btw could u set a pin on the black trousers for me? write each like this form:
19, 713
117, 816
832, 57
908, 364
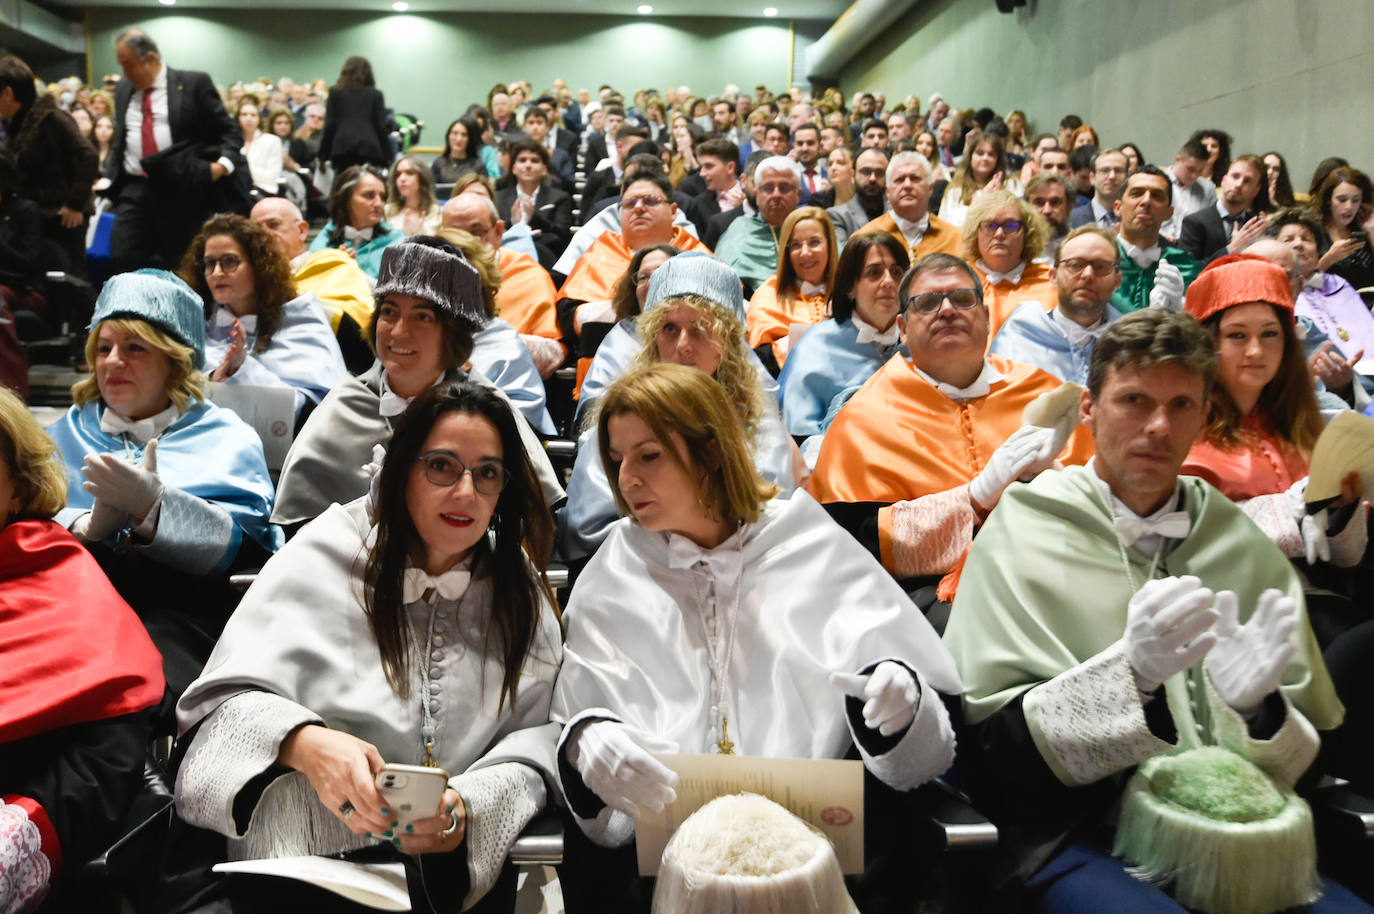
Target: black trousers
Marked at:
152, 227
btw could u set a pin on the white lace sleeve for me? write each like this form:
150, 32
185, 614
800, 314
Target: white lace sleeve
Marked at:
192, 534
924, 752
1088, 722
1348, 546
24, 869
1272, 515
1285, 755
500, 801
238, 741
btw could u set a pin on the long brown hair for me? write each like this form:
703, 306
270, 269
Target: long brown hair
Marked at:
789, 284
514, 554
625, 295
963, 175
272, 285
1288, 403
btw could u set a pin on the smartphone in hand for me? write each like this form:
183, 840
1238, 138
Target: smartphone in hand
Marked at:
411, 791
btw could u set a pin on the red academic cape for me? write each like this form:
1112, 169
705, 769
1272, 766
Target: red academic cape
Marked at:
941, 237
594, 275
770, 320
73, 651
1261, 464
899, 438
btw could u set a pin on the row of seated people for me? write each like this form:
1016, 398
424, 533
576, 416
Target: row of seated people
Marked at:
166, 504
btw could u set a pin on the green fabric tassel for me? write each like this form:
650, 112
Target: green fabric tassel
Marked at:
1219, 833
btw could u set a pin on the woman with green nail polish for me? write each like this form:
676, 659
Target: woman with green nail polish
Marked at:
411, 627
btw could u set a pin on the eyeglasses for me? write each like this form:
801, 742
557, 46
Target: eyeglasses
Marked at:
443, 469
1076, 265
227, 263
930, 302
646, 202
1011, 227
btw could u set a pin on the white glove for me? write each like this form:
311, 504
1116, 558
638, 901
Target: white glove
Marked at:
1168, 287
890, 695
1311, 526
100, 523
615, 762
1018, 456
1168, 624
1248, 659
123, 486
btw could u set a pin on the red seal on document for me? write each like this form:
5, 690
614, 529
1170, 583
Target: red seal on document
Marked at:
836, 816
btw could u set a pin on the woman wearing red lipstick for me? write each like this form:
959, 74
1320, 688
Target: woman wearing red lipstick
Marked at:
411, 626
719, 619
1264, 416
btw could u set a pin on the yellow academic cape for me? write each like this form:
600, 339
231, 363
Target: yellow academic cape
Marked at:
525, 299
769, 320
594, 275
899, 438
336, 279
941, 237
1004, 298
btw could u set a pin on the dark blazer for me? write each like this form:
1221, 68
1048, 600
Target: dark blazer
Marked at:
716, 226
600, 184
565, 140
561, 168
552, 218
56, 165
195, 113
1204, 235
596, 150
701, 209
355, 128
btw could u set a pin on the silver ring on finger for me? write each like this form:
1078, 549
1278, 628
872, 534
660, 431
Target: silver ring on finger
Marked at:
346, 809
452, 826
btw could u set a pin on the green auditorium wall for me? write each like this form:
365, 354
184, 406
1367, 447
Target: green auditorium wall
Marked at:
432, 65
1287, 74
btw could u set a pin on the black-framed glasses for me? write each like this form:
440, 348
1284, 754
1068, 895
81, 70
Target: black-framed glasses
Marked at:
1010, 226
444, 469
227, 263
930, 302
1076, 266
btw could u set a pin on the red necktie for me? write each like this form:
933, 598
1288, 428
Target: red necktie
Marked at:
149, 141
810, 183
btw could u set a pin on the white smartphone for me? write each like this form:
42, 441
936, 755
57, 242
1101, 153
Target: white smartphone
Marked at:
411, 791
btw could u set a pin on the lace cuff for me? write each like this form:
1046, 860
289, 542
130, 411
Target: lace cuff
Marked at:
25, 871
1284, 756
500, 801
926, 535
1348, 546
238, 741
547, 354
1089, 721
1272, 514
192, 534
603, 824
925, 750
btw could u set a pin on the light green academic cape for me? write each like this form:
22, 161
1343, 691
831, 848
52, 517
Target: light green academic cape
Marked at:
750, 247
1045, 589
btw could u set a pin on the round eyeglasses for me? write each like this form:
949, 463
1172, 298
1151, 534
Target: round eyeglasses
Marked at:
443, 469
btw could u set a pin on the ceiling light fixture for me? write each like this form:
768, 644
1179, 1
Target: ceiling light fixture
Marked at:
770, 10
400, 6
168, 2
645, 9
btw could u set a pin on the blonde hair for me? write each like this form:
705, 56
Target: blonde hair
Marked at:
676, 399
789, 285
184, 383
736, 374
1036, 232
32, 461
483, 260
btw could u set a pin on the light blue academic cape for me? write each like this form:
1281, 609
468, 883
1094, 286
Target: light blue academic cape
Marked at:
369, 256
1033, 336
208, 452
586, 519
504, 361
827, 359
303, 354
613, 358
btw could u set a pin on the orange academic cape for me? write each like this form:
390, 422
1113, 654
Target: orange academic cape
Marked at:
770, 320
594, 275
525, 299
940, 238
1004, 298
899, 438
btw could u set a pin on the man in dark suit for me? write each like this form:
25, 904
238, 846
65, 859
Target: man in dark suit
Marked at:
536, 127
719, 160
1109, 174
605, 181
546, 210
716, 225
597, 144
174, 158
1237, 218
557, 137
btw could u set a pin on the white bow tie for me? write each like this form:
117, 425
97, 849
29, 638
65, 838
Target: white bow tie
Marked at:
1012, 276
142, 430
725, 562
392, 404
1174, 525
357, 234
225, 318
451, 585
1145, 257
870, 334
810, 289
1317, 282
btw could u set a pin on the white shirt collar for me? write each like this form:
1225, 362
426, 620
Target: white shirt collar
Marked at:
1315, 282
1143, 530
980, 387
912, 231
392, 403
871, 334
1102, 215
1013, 275
1142, 257
1078, 334
299, 260
142, 430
